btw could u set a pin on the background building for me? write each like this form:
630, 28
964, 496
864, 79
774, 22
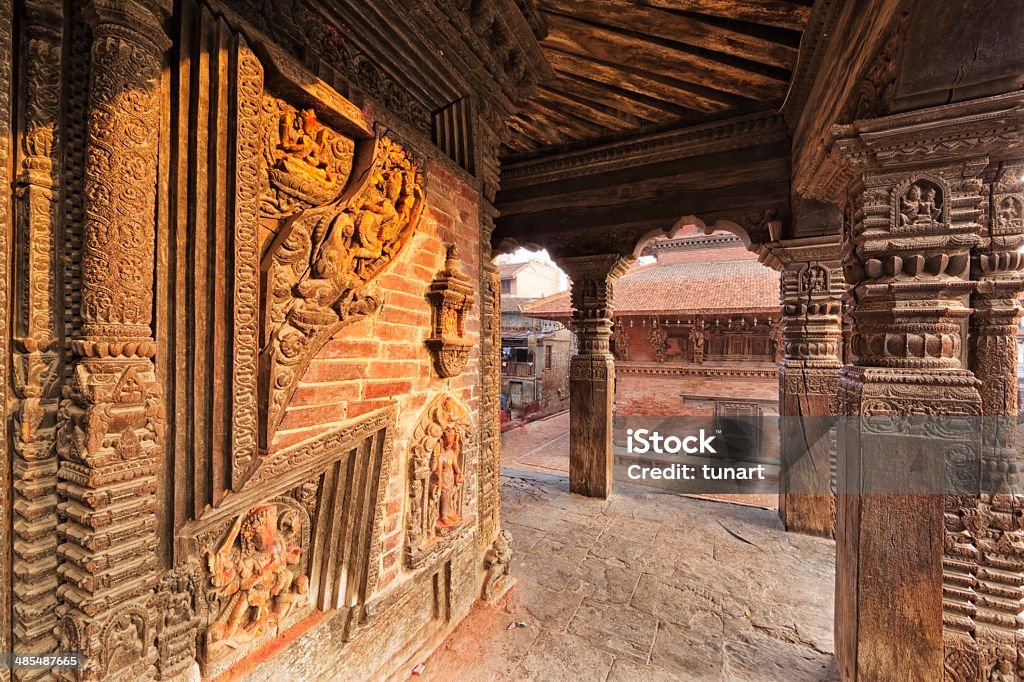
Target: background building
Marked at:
696, 332
534, 352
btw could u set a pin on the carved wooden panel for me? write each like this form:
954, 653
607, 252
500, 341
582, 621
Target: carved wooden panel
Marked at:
308, 536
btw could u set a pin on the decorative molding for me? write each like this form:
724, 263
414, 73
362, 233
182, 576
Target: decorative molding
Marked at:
639, 368
714, 241
646, 149
986, 127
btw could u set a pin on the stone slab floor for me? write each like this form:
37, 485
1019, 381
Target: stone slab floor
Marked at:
647, 586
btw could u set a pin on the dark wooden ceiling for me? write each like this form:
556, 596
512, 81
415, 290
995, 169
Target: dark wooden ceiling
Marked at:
621, 65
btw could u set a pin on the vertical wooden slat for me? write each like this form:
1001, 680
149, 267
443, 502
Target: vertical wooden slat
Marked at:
217, 212
200, 304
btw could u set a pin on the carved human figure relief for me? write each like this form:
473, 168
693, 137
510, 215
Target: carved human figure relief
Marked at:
436, 477
256, 574
920, 204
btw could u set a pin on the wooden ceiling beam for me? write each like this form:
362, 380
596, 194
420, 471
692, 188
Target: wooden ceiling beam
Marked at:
690, 31
573, 35
567, 126
597, 113
636, 104
543, 136
777, 13
653, 85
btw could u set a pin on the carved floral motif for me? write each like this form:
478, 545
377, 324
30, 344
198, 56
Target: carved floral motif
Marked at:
436, 475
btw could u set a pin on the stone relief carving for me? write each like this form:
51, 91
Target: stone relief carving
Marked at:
498, 564
451, 297
257, 575
324, 257
436, 474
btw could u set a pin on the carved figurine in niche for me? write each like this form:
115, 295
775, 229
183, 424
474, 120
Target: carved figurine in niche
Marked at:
254, 573
436, 479
451, 297
1009, 214
814, 280
446, 478
920, 204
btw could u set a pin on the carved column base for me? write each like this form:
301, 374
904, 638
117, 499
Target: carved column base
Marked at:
591, 396
889, 543
806, 481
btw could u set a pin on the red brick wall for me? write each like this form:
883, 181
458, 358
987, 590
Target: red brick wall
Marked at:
655, 396
383, 361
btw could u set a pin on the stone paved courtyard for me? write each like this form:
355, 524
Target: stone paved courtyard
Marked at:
647, 586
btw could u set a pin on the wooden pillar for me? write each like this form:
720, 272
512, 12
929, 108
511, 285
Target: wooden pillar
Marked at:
38, 329
811, 291
915, 210
111, 421
984, 581
592, 372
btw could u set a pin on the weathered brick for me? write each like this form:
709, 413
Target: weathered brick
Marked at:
386, 389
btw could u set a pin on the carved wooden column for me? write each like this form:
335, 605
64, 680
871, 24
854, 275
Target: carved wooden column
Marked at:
983, 563
811, 290
916, 210
112, 419
6, 82
592, 372
38, 330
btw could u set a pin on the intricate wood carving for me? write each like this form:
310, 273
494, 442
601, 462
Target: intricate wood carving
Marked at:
38, 330
807, 345
658, 338
257, 572
6, 62
451, 297
112, 418
323, 258
437, 465
592, 371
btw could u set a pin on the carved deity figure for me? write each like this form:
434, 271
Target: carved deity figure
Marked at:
918, 206
446, 473
306, 147
658, 338
253, 571
497, 562
1008, 213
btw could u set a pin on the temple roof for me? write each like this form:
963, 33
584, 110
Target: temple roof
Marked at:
682, 288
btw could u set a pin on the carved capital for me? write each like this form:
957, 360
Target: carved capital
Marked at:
139, 21
592, 281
